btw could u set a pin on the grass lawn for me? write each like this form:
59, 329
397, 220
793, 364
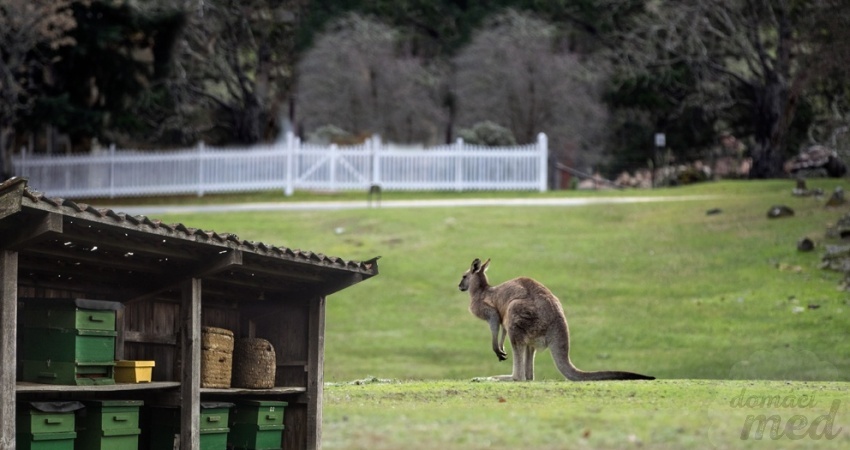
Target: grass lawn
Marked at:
669, 414
709, 304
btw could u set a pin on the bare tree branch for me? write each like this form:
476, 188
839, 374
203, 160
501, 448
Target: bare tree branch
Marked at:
513, 74
359, 76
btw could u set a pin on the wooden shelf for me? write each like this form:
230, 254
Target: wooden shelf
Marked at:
27, 387
23, 386
241, 391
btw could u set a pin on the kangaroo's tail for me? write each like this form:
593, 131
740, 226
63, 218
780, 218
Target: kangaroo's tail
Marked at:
559, 340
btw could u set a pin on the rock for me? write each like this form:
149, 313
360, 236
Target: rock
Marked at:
778, 211
841, 230
802, 191
837, 198
837, 258
805, 245
801, 188
817, 159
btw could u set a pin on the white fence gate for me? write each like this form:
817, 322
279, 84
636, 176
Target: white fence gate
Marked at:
289, 165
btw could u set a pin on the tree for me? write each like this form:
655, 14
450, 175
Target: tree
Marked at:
28, 28
233, 69
96, 86
518, 73
762, 55
360, 76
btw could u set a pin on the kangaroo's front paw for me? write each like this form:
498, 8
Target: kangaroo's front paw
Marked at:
500, 354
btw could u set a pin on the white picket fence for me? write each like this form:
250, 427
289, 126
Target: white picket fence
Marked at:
288, 165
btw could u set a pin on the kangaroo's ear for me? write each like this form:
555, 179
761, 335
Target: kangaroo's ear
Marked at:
476, 263
485, 265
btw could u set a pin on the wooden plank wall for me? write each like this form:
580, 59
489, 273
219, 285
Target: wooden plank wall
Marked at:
287, 329
152, 328
8, 323
150, 334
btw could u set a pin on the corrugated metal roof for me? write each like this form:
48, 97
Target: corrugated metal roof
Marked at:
159, 248
179, 230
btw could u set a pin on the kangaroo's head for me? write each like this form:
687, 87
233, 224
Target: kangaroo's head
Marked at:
475, 276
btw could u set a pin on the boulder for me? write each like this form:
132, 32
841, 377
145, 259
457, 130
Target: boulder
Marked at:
817, 160
805, 245
837, 198
779, 211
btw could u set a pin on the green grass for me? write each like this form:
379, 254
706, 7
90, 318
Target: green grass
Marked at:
655, 288
670, 414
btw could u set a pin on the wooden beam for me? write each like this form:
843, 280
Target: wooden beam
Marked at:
315, 372
11, 198
341, 282
8, 336
121, 243
284, 268
190, 378
207, 269
37, 230
70, 275
119, 337
224, 262
149, 338
95, 258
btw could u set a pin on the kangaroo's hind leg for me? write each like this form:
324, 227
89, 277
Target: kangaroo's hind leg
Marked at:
519, 365
520, 358
529, 363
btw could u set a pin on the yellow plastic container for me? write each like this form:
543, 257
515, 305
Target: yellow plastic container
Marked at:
134, 371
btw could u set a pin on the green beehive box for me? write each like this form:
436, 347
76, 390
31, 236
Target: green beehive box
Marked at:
258, 412
165, 426
69, 314
108, 425
69, 373
45, 425
46, 417
46, 441
79, 346
245, 436
256, 425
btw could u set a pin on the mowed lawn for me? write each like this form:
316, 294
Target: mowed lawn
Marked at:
707, 303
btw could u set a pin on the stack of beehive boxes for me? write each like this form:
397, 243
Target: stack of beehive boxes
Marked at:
68, 341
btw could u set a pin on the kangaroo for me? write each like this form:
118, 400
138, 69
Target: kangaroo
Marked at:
532, 316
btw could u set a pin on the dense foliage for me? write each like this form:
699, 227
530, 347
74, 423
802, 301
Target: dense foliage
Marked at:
601, 77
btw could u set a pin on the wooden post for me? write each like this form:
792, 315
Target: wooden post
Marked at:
459, 165
289, 189
8, 335
119, 337
190, 376
315, 375
333, 156
201, 169
543, 161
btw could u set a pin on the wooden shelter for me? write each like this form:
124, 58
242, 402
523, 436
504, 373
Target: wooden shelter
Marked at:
171, 281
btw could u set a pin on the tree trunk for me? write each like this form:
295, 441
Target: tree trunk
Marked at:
248, 121
5, 152
770, 124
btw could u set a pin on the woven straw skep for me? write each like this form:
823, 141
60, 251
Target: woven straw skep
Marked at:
253, 364
216, 357
218, 339
216, 369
